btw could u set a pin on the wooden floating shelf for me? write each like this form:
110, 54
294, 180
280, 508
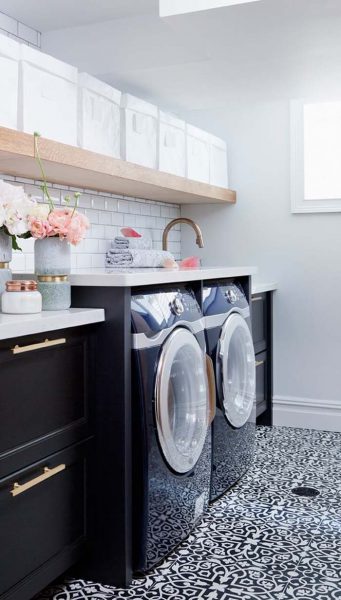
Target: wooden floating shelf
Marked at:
76, 167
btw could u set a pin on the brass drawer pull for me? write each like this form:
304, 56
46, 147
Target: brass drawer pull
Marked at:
20, 488
257, 298
46, 344
259, 363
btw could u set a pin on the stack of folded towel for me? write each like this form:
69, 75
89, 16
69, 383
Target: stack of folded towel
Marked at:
135, 252
132, 243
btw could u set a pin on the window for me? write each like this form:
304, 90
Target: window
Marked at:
315, 156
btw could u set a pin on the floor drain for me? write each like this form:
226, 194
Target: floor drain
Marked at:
307, 492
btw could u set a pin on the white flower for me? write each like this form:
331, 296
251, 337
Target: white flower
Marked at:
12, 194
39, 211
2, 215
15, 207
15, 222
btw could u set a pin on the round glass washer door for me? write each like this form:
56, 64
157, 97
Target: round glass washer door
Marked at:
182, 400
237, 370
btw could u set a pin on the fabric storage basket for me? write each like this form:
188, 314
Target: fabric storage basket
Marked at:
172, 144
198, 154
9, 69
218, 162
98, 116
47, 96
138, 131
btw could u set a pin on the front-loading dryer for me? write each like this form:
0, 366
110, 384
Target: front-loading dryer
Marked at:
230, 346
173, 404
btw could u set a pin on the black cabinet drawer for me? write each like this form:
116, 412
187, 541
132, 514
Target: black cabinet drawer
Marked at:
259, 322
43, 522
44, 396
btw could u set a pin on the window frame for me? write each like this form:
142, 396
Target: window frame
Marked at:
298, 203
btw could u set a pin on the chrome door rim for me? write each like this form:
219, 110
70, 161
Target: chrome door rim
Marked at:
175, 459
234, 321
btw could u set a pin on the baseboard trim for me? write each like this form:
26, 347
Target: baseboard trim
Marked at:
307, 412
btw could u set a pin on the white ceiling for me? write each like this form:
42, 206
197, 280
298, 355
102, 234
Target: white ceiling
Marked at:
201, 61
45, 15
180, 7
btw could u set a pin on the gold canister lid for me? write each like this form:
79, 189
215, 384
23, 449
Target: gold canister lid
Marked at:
4, 265
21, 285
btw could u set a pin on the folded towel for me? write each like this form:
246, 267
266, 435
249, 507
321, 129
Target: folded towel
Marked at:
136, 258
143, 243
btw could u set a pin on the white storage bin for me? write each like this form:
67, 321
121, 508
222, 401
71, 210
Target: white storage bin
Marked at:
98, 116
9, 69
218, 162
172, 144
198, 154
47, 96
139, 131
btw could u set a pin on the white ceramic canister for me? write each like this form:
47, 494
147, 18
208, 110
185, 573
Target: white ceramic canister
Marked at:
21, 297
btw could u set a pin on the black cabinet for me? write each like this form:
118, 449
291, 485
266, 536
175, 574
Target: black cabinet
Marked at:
262, 339
45, 436
42, 519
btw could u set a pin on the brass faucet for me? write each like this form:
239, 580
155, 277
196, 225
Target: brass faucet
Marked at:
199, 240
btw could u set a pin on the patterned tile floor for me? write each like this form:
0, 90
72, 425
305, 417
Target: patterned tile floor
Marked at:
258, 542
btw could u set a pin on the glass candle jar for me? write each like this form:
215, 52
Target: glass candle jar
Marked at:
21, 297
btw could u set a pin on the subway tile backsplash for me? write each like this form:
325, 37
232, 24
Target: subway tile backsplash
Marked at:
107, 213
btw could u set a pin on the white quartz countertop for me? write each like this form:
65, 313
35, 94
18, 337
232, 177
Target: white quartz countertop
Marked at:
259, 287
17, 325
139, 277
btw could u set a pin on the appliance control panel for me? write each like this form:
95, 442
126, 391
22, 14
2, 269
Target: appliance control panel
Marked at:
221, 297
158, 309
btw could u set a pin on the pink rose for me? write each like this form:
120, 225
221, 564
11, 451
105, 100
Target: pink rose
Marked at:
39, 229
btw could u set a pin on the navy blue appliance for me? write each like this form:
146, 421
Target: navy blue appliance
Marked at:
173, 406
230, 346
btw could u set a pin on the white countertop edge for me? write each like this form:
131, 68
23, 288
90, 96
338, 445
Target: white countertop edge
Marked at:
140, 277
260, 287
19, 325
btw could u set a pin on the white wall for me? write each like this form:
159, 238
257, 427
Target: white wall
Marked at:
301, 252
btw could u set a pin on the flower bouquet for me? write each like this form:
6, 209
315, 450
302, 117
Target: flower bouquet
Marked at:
54, 229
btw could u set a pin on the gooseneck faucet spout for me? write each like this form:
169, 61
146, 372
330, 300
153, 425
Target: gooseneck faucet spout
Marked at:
199, 239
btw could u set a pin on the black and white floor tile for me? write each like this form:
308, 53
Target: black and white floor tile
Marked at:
259, 541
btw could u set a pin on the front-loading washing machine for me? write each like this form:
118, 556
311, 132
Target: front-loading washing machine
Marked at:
230, 346
173, 404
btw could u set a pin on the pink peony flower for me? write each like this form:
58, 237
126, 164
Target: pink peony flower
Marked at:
59, 220
39, 229
77, 228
